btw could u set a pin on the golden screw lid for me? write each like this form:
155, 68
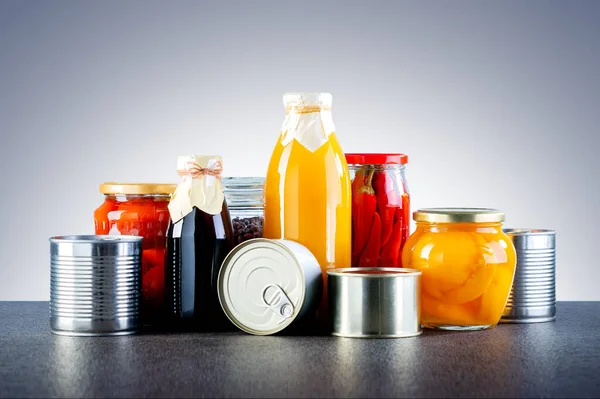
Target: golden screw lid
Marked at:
458, 215
137, 188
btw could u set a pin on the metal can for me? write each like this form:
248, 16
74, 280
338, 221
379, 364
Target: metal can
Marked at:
95, 285
533, 294
375, 302
266, 285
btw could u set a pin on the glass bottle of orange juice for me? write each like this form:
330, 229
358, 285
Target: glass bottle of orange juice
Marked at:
307, 188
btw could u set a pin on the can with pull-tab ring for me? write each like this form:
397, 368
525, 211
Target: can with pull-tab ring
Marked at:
266, 285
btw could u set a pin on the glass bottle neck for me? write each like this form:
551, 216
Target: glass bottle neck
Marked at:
307, 109
305, 103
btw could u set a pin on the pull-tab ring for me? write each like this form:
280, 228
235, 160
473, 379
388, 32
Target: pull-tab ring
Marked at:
276, 299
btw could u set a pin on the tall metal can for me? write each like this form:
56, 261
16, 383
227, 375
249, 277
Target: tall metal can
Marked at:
95, 285
533, 295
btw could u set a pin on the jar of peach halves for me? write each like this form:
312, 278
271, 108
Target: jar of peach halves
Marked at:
467, 266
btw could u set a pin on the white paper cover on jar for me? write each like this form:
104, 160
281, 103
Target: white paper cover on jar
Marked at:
311, 129
200, 186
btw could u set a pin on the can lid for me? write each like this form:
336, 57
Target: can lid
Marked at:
137, 188
261, 286
376, 159
374, 272
98, 239
244, 183
458, 215
528, 232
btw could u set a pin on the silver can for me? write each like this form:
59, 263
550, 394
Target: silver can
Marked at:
374, 302
266, 285
533, 294
95, 285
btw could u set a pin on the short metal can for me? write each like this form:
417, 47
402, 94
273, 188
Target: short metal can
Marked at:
374, 302
266, 285
95, 285
533, 294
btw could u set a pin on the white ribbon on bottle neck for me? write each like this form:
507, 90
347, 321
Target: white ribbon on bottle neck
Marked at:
200, 187
310, 127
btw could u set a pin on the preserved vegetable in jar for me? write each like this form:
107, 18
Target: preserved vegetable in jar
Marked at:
245, 201
199, 237
380, 209
140, 210
467, 264
307, 188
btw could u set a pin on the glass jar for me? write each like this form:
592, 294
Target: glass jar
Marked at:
199, 237
140, 210
307, 187
380, 209
245, 200
467, 264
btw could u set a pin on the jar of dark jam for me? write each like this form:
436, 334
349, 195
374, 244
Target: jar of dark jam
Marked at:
140, 209
245, 200
199, 237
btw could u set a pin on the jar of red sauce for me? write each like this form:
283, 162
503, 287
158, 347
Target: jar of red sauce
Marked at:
380, 209
140, 210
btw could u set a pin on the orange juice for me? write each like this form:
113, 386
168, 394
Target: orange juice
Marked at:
307, 188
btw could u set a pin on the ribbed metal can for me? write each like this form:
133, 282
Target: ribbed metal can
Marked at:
95, 285
533, 295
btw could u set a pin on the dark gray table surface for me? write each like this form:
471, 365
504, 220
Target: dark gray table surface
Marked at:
558, 359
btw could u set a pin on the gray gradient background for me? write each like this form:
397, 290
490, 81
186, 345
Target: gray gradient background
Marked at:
496, 103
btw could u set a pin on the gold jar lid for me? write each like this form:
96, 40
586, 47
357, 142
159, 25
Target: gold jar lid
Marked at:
458, 215
138, 188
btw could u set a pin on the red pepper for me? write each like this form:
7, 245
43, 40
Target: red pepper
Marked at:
406, 218
370, 256
390, 252
101, 221
359, 180
153, 287
385, 211
387, 201
363, 208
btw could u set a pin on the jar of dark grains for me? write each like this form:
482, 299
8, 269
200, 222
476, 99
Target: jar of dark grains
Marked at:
245, 200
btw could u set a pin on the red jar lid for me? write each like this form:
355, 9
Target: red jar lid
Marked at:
376, 159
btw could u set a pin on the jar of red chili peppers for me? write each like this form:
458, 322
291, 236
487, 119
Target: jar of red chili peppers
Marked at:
140, 210
380, 209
